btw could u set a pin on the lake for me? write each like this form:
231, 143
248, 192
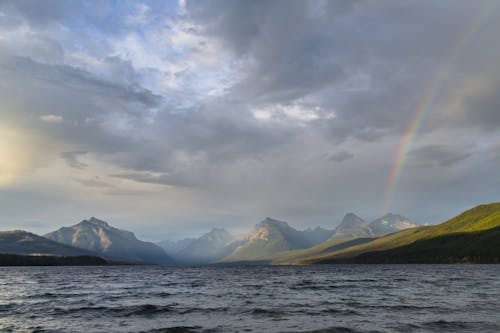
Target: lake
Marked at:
327, 298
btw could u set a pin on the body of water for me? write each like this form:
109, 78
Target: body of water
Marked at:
328, 298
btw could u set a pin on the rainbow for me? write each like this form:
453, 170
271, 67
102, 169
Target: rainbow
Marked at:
426, 100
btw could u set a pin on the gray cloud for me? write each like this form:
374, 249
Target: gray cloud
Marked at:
483, 109
75, 79
38, 14
95, 182
438, 156
71, 158
355, 58
150, 178
340, 156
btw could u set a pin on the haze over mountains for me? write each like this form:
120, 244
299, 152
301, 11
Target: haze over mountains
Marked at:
472, 236
210, 247
271, 237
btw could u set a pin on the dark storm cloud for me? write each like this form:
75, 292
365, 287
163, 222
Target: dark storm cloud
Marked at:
366, 61
438, 156
290, 54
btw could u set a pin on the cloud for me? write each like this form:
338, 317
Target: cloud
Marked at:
437, 155
94, 182
157, 178
481, 107
38, 14
51, 118
71, 158
340, 156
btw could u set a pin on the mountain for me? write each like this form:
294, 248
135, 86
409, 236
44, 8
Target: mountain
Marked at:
352, 230
98, 236
25, 243
173, 247
352, 226
210, 247
390, 223
268, 238
473, 236
317, 235
464, 247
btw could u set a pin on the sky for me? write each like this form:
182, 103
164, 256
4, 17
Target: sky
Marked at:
170, 118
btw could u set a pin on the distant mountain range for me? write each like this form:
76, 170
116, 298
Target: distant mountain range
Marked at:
99, 237
272, 238
219, 245
96, 238
473, 236
268, 238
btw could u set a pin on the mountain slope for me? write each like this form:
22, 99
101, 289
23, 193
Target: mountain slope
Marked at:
462, 247
352, 226
210, 247
478, 219
317, 235
268, 238
98, 236
390, 223
25, 243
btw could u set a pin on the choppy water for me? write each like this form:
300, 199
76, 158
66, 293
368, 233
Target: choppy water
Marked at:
372, 298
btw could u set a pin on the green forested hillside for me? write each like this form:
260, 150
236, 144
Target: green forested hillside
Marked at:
463, 247
475, 231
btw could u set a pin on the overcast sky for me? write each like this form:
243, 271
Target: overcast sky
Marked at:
170, 118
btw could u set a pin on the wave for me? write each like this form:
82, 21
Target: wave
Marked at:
267, 312
337, 329
124, 311
450, 326
145, 310
183, 329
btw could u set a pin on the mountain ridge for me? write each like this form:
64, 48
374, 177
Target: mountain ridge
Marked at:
100, 237
267, 238
21, 242
482, 219
207, 248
